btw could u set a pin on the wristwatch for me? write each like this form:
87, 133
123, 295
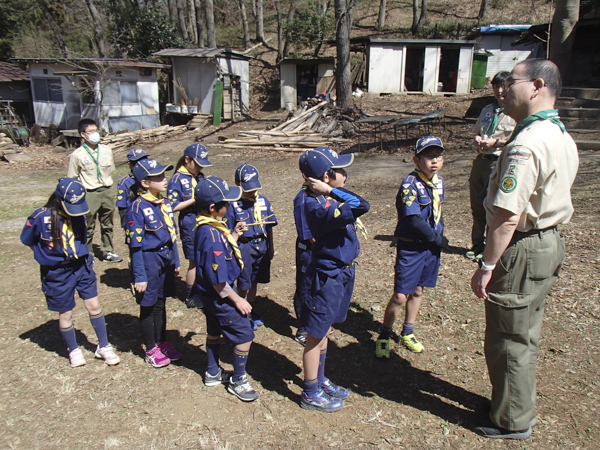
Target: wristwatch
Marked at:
484, 266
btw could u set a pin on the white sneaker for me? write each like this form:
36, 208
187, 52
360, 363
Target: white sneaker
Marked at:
108, 355
76, 358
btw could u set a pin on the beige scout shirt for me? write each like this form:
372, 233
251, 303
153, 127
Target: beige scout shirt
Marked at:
533, 177
83, 167
504, 129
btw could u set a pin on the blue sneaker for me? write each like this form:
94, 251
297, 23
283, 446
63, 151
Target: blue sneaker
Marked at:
255, 318
333, 390
252, 324
321, 402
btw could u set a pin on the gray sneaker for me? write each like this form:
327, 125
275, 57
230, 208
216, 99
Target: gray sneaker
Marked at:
242, 389
214, 380
112, 257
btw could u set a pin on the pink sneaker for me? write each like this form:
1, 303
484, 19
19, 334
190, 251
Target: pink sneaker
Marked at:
167, 349
156, 358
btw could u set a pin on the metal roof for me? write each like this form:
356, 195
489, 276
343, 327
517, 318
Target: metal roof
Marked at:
200, 53
422, 41
12, 72
91, 62
504, 29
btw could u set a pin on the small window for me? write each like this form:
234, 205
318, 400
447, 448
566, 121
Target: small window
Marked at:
47, 90
129, 93
120, 93
87, 93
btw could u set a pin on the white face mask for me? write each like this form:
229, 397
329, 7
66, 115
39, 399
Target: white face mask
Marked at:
93, 138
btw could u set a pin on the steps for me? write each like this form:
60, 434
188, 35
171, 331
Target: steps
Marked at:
579, 110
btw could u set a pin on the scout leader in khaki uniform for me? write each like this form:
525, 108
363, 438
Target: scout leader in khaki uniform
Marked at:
93, 165
528, 196
493, 129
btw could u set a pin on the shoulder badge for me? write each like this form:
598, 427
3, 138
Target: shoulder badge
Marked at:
508, 184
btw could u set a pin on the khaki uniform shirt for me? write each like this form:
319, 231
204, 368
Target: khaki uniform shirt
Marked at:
533, 177
504, 129
83, 167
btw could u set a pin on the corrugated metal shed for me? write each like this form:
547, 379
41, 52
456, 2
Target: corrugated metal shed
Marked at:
12, 72
201, 53
106, 62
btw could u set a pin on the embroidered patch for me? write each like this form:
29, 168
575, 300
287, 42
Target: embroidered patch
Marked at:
215, 266
120, 191
405, 185
508, 184
119, 197
405, 191
336, 213
47, 219
327, 204
139, 239
28, 223
408, 203
217, 252
131, 223
511, 169
147, 211
138, 230
517, 153
412, 198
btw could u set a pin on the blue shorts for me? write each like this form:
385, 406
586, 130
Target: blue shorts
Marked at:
303, 255
325, 300
417, 264
160, 271
257, 265
222, 318
187, 224
60, 282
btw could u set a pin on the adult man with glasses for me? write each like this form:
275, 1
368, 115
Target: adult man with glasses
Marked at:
493, 129
529, 195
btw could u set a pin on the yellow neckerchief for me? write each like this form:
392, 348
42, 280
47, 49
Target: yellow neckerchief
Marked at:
204, 220
67, 236
184, 171
257, 212
163, 209
361, 227
437, 210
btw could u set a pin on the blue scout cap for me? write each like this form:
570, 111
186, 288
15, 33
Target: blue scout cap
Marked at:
314, 163
71, 194
426, 142
148, 168
135, 154
213, 189
198, 153
247, 176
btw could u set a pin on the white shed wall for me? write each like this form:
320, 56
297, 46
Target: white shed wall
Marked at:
385, 67
505, 56
242, 69
287, 74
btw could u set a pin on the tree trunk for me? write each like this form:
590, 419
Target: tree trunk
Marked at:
242, 5
344, 13
210, 24
416, 16
482, 10
562, 35
254, 8
181, 17
381, 20
98, 33
199, 22
54, 27
422, 19
279, 31
260, 32
172, 12
192, 21
288, 33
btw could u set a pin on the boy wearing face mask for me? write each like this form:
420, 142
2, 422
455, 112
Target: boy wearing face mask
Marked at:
92, 164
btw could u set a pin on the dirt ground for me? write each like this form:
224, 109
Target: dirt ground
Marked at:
410, 401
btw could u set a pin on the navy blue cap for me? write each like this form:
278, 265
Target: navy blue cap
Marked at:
426, 142
211, 189
247, 176
198, 153
148, 168
71, 194
135, 154
314, 163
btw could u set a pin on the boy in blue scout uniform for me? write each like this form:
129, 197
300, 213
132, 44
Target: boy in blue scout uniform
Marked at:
420, 240
57, 234
181, 194
154, 257
218, 265
256, 244
123, 201
304, 243
332, 216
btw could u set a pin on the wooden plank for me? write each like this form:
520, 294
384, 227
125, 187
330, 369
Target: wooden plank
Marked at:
218, 111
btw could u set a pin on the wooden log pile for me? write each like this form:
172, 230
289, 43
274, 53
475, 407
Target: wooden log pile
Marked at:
315, 124
7, 145
121, 140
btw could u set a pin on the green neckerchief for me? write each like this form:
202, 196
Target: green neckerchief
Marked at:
548, 114
96, 159
493, 123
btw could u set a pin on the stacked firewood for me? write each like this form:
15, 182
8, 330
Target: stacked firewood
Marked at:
7, 145
315, 124
121, 140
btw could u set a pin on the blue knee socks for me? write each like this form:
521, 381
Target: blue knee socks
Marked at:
99, 324
407, 328
240, 359
68, 335
212, 355
385, 332
310, 387
321, 372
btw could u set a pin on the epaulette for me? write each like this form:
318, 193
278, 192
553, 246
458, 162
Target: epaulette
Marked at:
216, 238
136, 203
37, 212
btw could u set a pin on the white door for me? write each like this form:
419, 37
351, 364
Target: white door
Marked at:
465, 64
431, 70
288, 84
